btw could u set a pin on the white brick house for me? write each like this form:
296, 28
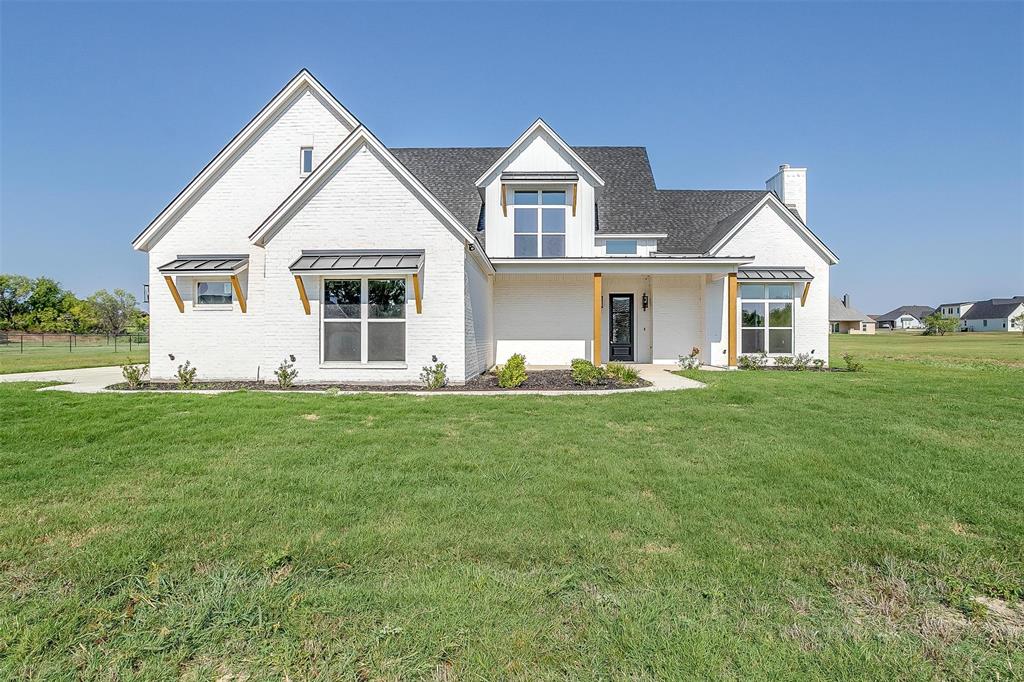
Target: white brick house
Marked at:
306, 237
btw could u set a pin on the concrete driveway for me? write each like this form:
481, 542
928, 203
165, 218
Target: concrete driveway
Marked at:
85, 380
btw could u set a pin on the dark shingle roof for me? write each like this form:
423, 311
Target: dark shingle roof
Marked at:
696, 219
993, 308
918, 311
629, 203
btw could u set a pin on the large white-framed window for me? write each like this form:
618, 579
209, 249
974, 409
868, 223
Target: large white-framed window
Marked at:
538, 217
363, 320
766, 318
213, 294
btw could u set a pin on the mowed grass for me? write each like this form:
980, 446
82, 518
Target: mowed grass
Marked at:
39, 359
775, 525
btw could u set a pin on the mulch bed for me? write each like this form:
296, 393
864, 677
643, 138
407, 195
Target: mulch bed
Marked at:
543, 380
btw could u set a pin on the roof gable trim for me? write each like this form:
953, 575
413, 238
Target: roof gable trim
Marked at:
541, 126
788, 216
301, 82
322, 174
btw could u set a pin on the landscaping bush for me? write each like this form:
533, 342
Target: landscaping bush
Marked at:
513, 373
784, 361
852, 365
802, 361
623, 373
186, 376
133, 374
434, 377
286, 373
758, 361
691, 361
585, 373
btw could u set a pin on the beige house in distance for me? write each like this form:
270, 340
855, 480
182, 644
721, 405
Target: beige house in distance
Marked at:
845, 319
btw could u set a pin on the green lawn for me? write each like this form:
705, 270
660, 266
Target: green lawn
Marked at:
38, 359
775, 525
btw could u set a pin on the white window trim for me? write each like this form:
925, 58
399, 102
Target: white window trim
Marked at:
196, 305
539, 208
765, 328
312, 162
364, 326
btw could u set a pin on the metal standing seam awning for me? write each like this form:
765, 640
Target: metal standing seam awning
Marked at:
359, 262
541, 178
205, 265
750, 275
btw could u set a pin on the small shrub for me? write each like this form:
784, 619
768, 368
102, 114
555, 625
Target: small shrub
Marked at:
625, 374
286, 374
758, 361
513, 372
691, 361
784, 361
585, 373
852, 364
133, 374
186, 376
818, 363
434, 377
802, 361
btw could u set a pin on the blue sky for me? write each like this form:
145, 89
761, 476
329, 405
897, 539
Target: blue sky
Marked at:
908, 116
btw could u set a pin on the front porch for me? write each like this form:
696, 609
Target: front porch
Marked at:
611, 315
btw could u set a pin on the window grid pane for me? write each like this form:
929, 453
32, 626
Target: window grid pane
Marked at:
553, 246
553, 220
554, 198
620, 247
341, 299
525, 220
524, 198
385, 341
386, 298
526, 245
214, 293
342, 341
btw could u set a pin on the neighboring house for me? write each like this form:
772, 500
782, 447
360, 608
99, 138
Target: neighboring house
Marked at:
306, 237
904, 317
994, 315
955, 309
843, 318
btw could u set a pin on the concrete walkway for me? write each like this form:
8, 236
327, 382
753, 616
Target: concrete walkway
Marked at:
96, 379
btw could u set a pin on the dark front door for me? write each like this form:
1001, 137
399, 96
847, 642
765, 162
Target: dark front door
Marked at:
620, 327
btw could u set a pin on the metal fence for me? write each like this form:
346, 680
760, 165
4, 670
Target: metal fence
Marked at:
24, 342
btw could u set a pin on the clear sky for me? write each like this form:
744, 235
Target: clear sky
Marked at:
908, 116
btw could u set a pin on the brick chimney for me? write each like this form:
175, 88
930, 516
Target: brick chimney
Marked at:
790, 185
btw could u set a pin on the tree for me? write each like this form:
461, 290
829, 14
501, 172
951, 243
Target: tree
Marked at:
14, 292
937, 323
1018, 322
113, 310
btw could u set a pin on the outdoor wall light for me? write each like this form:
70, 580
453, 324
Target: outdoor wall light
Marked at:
644, 301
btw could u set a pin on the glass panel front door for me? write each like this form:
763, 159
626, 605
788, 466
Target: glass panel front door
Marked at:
620, 327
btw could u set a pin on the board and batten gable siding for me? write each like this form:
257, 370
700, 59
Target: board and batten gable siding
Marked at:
225, 344
479, 319
363, 205
772, 241
539, 154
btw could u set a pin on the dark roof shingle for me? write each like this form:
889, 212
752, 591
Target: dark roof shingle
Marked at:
629, 203
994, 308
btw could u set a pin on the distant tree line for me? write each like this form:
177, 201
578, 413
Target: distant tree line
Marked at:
42, 305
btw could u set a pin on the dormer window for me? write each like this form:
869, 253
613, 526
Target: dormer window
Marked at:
539, 223
305, 160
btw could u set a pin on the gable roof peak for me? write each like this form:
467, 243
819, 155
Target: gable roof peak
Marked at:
539, 125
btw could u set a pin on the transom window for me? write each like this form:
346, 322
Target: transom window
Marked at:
217, 292
364, 320
539, 223
766, 313
620, 247
306, 160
